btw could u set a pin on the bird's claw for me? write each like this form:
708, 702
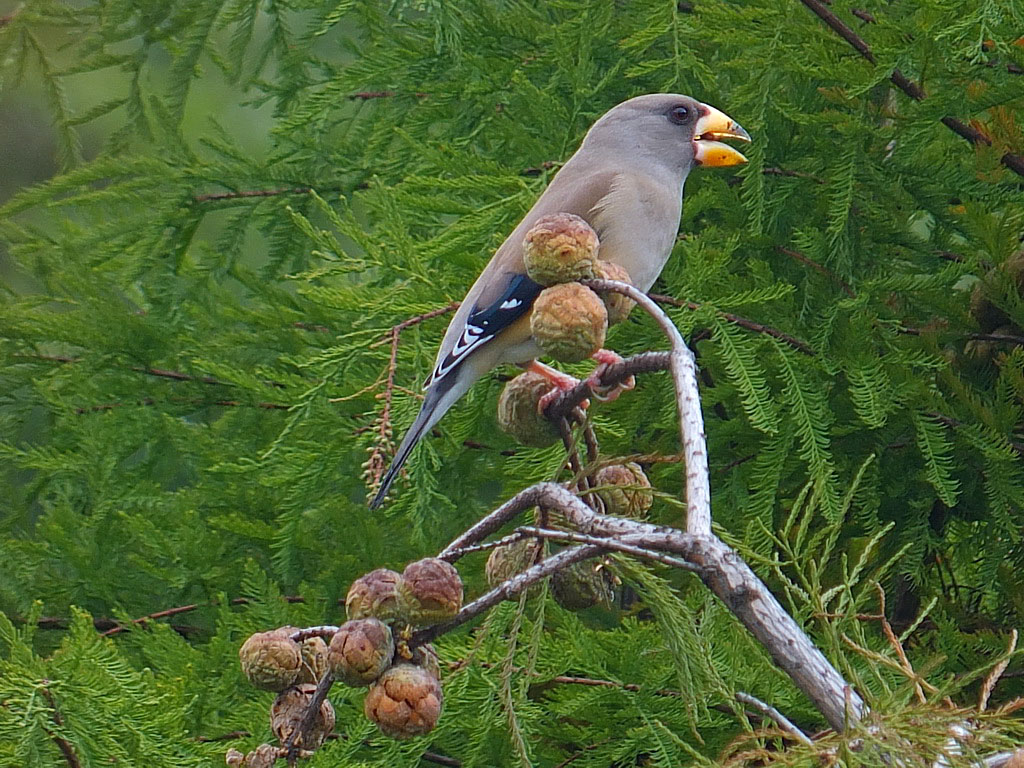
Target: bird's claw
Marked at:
562, 382
607, 358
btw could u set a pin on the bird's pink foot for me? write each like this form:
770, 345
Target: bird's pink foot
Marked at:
606, 358
562, 382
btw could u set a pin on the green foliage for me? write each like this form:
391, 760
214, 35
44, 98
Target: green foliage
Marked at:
195, 338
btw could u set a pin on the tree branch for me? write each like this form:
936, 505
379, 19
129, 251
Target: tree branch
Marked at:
382, 444
691, 418
110, 627
719, 567
774, 171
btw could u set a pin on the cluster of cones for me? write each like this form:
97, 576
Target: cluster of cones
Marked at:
370, 649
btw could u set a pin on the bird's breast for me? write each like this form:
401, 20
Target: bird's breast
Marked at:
637, 222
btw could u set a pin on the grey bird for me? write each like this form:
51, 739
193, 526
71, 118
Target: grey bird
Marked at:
626, 181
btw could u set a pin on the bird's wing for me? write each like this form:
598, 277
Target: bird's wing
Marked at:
484, 323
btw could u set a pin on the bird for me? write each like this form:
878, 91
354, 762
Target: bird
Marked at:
626, 181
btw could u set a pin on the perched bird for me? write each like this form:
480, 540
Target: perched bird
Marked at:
626, 181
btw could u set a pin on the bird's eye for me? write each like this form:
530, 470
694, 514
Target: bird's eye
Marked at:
679, 114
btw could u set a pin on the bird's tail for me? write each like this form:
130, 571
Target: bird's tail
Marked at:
436, 403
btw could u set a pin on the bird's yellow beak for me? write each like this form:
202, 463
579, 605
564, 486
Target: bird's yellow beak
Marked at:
711, 126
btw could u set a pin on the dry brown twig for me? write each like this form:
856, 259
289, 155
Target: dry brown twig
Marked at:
997, 671
383, 447
897, 647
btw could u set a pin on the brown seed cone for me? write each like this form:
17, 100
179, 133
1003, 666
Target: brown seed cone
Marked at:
618, 306
580, 586
264, 756
569, 322
430, 592
374, 594
271, 660
508, 560
289, 708
518, 414
234, 758
404, 702
630, 494
560, 248
425, 656
314, 660
360, 651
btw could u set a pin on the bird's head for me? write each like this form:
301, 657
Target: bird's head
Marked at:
670, 129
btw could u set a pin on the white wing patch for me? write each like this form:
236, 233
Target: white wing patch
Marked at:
471, 338
484, 324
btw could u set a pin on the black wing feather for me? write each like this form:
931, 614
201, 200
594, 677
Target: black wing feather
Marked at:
484, 324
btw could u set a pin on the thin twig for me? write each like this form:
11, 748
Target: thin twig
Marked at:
369, 95
616, 545
593, 446
415, 320
383, 446
881, 658
428, 757
163, 373
897, 646
486, 546
783, 722
149, 401
117, 628
309, 718
589, 748
243, 193
998, 338
572, 453
817, 267
645, 362
63, 744
311, 327
508, 589
323, 631
863, 15
230, 736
